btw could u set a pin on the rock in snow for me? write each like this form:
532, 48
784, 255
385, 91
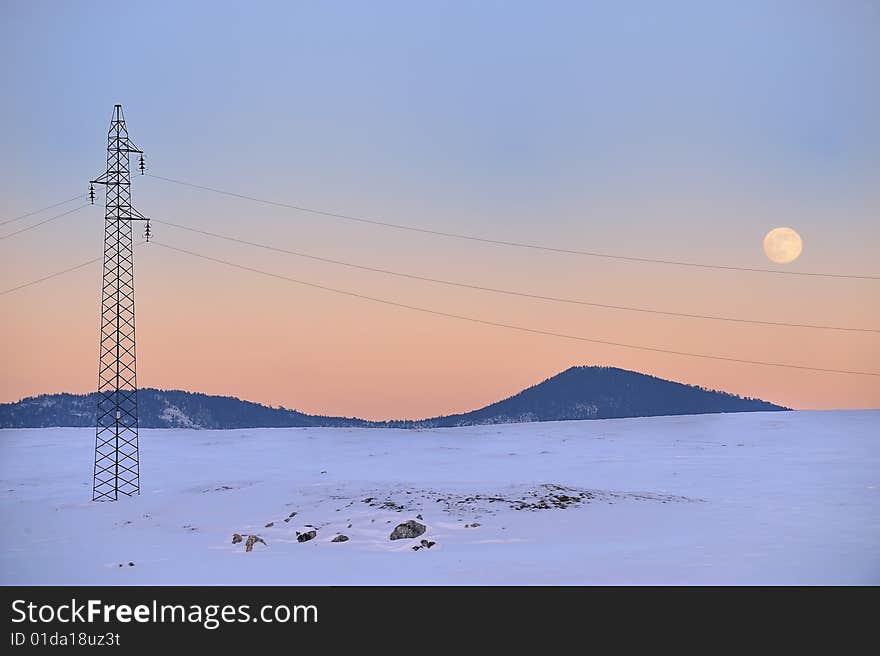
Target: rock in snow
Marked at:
251, 541
236, 538
305, 537
340, 538
409, 529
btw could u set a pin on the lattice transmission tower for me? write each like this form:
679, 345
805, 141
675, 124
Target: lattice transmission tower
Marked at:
117, 468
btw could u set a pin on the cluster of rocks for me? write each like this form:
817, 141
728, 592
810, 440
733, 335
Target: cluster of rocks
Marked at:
304, 536
555, 496
464, 506
408, 530
544, 497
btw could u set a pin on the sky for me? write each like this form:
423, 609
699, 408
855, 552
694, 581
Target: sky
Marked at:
680, 132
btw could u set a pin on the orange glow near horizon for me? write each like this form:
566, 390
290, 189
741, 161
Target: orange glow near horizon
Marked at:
208, 328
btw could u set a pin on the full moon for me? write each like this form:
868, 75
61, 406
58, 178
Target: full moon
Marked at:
783, 245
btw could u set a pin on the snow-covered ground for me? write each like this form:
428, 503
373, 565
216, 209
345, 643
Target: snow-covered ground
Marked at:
742, 498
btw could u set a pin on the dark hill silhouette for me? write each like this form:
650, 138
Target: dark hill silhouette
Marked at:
162, 409
577, 393
605, 393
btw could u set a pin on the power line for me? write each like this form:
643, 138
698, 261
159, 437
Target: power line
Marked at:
42, 209
510, 326
507, 291
51, 275
459, 284
44, 221
56, 274
516, 244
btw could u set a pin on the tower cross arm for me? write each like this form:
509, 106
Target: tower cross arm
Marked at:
126, 146
136, 216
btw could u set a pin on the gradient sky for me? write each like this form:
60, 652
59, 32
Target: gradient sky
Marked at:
684, 131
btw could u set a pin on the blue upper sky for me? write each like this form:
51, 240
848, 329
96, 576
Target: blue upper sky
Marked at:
537, 102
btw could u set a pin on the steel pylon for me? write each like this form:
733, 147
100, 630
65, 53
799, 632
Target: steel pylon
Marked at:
117, 468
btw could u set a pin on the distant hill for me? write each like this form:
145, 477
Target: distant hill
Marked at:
162, 409
576, 393
604, 393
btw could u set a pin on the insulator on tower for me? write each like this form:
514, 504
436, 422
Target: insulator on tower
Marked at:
141, 164
147, 231
92, 193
